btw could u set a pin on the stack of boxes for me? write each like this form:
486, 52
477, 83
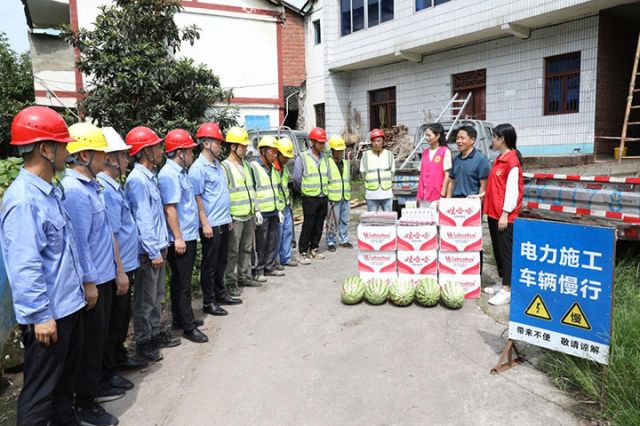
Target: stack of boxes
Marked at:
417, 245
377, 248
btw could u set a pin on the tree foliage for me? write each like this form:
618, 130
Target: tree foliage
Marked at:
16, 88
137, 77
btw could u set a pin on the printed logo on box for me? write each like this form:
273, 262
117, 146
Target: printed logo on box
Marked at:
470, 284
382, 261
415, 279
387, 277
459, 263
417, 237
376, 238
418, 262
458, 238
460, 212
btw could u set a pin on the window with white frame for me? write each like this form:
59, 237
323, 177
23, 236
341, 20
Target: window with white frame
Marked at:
423, 4
356, 15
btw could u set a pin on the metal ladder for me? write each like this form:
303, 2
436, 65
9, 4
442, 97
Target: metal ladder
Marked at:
632, 91
457, 107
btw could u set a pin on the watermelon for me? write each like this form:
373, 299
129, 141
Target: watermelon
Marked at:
376, 292
428, 292
352, 290
453, 295
401, 292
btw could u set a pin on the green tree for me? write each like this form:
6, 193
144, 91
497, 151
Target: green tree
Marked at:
16, 89
136, 77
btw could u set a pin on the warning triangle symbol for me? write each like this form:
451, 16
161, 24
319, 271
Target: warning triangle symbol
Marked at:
538, 309
575, 317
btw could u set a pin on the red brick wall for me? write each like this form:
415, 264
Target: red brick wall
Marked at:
616, 48
293, 66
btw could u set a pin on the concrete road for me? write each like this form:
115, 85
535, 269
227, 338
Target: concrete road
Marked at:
293, 354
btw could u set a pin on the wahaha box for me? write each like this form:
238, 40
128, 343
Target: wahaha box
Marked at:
378, 261
376, 238
459, 263
423, 237
415, 279
460, 212
460, 238
418, 262
387, 277
470, 284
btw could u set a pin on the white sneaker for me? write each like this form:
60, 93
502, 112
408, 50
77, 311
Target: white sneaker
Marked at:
315, 253
502, 298
304, 259
493, 289
260, 278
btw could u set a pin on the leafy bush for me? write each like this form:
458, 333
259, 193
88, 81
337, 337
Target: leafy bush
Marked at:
9, 170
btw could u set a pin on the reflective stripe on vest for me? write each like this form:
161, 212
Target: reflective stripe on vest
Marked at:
265, 187
377, 178
283, 189
314, 180
339, 184
241, 190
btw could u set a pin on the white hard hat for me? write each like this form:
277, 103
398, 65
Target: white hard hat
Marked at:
114, 140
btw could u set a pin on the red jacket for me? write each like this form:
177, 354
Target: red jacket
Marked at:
497, 186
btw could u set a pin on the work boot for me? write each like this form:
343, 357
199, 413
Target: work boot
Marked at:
249, 282
234, 291
274, 273
94, 414
148, 351
292, 263
166, 340
260, 278
347, 245
332, 248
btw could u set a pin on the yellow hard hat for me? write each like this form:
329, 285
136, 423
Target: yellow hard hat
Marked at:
88, 138
237, 135
268, 142
336, 142
285, 146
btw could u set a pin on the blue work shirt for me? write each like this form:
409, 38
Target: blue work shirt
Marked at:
39, 251
121, 221
175, 188
468, 172
141, 190
94, 237
210, 182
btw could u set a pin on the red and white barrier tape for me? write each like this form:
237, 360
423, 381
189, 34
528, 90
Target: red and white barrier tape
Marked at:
624, 217
602, 179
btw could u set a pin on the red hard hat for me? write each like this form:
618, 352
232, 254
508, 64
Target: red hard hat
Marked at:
178, 139
318, 134
141, 137
376, 133
209, 130
37, 123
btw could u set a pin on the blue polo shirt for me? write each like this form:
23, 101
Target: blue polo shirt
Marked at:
468, 172
121, 221
39, 251
94, 237
210, 182
175, 188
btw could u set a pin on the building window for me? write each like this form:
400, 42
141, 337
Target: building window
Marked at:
423, 4
355, 15
562, 84
317, 37
319, 109
382, 108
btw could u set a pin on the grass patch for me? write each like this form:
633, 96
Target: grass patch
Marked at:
616, 387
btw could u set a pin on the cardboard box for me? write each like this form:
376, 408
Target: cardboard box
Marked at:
424, 237
387, 277
460, 212
376, 238
418, 262
422, 216
460, 238
459, 263
415, 279
470, 284
377, 261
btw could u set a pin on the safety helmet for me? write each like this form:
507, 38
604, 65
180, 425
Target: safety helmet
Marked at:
114, 140
209, 130
88, 137
141, 137
318, 134
336, 142
376, 133
285, 146
37, 123
178, 139
268, 142
237, 135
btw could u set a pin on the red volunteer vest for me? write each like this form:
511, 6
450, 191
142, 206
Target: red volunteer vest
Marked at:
431, 175
497, 186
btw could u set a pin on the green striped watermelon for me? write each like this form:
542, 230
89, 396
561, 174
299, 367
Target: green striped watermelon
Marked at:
428, 292
453, 295
352, 290
376, 292
401, 292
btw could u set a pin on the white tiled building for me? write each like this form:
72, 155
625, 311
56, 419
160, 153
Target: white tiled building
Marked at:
557, 70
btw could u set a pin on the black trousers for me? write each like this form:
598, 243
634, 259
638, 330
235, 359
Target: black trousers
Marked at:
95, 327
502, 243
118, 328
267, 242
50, 374
181, 270
314, 210
214, 262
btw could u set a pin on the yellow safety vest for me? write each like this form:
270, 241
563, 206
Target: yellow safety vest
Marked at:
283, 193
265, 187
339, 184
314, 179
241, 190
377, 178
